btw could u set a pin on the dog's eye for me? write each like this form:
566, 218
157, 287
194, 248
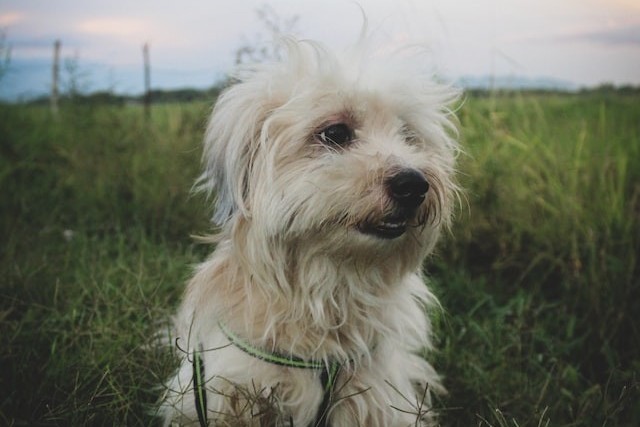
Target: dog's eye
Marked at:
409, 135
336, 134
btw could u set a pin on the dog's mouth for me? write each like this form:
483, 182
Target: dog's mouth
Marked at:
390, 227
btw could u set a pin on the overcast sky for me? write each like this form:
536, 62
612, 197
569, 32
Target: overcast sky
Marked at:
586, 42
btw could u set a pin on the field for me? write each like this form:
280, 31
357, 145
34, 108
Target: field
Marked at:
539, 279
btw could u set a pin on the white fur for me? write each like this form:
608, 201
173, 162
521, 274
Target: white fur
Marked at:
292, 272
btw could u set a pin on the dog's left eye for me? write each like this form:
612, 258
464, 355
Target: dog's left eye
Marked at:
336, 134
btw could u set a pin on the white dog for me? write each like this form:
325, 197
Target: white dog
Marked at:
333, 176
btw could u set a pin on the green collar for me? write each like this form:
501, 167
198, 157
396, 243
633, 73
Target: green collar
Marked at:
328, 374
288, 360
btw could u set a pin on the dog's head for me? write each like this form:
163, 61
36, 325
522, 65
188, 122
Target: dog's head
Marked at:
350, 152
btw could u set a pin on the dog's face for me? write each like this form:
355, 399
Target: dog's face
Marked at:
350, 156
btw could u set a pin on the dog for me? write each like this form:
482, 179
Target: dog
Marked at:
333, 176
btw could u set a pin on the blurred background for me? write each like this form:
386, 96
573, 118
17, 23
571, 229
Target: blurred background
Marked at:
506, 43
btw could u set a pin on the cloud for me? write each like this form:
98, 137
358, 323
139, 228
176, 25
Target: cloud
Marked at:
10, 18
125, 28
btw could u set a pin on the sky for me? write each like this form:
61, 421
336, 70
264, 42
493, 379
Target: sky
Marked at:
193, 43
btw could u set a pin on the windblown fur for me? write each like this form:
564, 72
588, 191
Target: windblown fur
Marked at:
305, 262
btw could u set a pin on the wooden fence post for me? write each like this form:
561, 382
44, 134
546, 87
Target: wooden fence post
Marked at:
55, 76
147, 81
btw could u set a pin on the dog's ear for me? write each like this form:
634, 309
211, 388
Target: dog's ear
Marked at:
231, 140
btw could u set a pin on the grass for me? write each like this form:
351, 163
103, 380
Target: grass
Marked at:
96, 219
539, 278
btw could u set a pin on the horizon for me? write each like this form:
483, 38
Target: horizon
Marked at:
575, 44
480, 84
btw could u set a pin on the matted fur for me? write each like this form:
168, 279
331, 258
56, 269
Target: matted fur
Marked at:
292, 272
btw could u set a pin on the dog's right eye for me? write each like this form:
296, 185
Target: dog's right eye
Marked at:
336, 134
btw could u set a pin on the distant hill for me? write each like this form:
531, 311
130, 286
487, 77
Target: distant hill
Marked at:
516, 83
29, 81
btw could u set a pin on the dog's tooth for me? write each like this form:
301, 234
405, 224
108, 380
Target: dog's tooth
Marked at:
393, 224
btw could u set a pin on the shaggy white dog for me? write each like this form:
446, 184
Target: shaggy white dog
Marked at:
333, 176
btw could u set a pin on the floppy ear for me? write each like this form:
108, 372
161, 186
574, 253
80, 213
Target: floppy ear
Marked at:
231, 140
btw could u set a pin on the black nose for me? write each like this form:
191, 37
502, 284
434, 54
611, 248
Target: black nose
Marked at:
408, 188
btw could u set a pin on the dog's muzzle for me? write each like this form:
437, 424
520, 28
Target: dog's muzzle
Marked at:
407, 190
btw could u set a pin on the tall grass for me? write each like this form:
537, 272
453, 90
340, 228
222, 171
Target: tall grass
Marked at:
539, 278
96, 219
